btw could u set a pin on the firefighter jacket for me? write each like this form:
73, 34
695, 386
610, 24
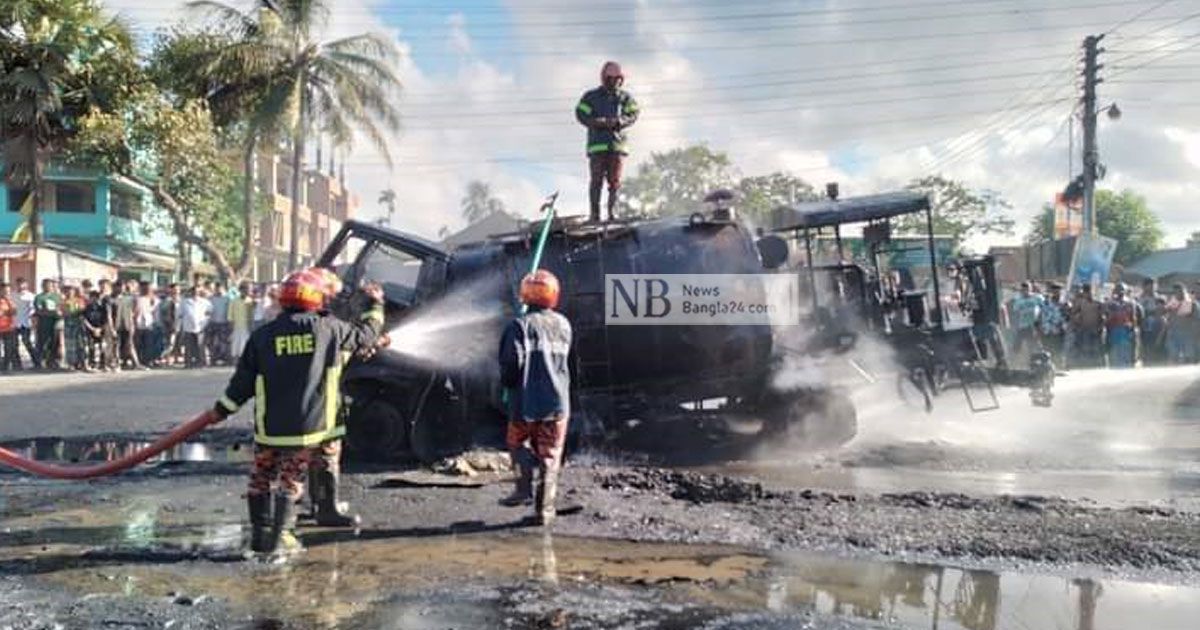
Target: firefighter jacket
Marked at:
535, 365
292, 367
604, 103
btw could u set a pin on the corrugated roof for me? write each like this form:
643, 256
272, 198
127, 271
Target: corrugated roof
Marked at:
1167, 261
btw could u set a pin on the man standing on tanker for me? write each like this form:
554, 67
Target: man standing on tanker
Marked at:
291, 366
606, 111
535, 368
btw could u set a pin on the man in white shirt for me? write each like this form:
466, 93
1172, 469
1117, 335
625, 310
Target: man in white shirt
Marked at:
24, 299
144, 311
194, 316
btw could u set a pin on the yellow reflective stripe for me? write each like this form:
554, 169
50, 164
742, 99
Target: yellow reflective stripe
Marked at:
630, 108
333, 381
308, 439
228, 404
585, 108
597, 148
374, 314
260, 405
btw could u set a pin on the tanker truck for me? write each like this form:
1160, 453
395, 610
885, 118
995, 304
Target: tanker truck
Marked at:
434, 400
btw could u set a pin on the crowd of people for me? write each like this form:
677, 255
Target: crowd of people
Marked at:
1121, 331
133, 325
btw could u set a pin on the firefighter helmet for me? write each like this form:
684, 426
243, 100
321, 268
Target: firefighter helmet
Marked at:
303, 290
611, 70
540, 288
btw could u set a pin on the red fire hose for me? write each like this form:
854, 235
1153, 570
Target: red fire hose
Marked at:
177, 435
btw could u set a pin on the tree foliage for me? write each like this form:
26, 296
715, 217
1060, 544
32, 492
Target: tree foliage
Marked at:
760, 195
675, 182
1124, 217
59, 59
958, 212
478, 202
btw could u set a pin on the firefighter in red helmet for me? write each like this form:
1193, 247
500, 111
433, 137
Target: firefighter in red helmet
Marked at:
291, 367
535, 368
607, 111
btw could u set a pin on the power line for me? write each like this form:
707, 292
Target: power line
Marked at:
564, 96
774, 24
690, 107
1137, 16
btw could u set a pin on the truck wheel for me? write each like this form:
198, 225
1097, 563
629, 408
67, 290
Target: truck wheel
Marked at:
813, 419
376, 430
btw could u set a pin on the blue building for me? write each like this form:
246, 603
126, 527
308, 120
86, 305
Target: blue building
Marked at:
95, 220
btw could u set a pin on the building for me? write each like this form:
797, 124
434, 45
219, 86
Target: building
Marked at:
92, 222
1168, 267
325, 206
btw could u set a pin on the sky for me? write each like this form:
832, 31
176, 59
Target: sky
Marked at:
866, 93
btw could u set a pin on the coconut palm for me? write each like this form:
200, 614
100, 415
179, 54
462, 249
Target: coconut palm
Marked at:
345, 87
58, 60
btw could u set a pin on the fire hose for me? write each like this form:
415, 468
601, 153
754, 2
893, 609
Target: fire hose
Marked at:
177, 435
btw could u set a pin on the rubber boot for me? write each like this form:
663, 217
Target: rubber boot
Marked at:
523, 491
283, 541
323, 487
260, 521
594, 200
612, 203
547, 495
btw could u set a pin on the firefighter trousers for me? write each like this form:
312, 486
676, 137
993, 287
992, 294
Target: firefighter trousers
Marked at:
285, 468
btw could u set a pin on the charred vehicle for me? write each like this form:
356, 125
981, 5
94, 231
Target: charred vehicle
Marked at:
435, 391
942, 333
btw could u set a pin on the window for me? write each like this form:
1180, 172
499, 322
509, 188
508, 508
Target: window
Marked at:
17, 198
125, 204
393, 269
75, 197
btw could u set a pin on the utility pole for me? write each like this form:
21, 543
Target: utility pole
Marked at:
1091, 71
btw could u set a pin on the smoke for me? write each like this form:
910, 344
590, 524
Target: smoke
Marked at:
458, 331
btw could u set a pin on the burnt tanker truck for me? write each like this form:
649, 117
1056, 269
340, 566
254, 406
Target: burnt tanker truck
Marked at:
430, 405
436, 391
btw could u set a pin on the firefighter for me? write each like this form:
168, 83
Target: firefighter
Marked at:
291, 367
534, 366
325, 467
607, 111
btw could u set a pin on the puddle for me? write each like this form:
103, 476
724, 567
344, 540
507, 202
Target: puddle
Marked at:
340, 578
104, 450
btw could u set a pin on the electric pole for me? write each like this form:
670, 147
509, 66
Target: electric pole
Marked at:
1091, 71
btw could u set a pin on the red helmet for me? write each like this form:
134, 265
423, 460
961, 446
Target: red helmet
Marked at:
303, 290
540, 288
612, 70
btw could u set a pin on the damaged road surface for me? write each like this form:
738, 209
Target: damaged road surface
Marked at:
1084, 516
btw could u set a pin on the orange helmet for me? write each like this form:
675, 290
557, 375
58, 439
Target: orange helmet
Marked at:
333, 284
540, 288
303, 290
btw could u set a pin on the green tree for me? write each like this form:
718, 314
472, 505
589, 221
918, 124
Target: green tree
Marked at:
958, 212
387, 199
1123, 216
760, 195
479, 202
676, 182
346, 86
58, 60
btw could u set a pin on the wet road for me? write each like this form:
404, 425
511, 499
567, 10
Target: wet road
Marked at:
1116, 438
161, 547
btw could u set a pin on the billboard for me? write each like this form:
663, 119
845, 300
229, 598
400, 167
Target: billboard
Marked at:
1068, 216
1092, 261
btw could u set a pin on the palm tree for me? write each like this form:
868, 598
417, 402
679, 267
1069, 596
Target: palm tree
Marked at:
388, 198
479, 202
347, 84
56, 58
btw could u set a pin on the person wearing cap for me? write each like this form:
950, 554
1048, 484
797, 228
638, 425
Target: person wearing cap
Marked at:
1052, 324
1122, 319
607, 111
